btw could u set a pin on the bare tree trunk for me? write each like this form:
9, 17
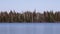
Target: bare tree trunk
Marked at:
32, 17
24, 17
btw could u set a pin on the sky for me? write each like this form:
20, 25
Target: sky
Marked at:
24, 5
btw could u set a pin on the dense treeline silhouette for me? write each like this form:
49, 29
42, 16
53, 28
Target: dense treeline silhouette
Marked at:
28, 16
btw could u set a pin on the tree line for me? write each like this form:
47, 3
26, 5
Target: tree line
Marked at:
29, 17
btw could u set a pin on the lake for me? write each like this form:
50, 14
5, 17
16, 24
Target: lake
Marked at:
29, 28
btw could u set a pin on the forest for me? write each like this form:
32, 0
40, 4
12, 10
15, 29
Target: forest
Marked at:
29, 17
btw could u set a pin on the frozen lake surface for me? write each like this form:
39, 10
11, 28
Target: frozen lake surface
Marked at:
29, 28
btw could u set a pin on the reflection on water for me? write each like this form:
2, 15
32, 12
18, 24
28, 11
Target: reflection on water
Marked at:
29, 28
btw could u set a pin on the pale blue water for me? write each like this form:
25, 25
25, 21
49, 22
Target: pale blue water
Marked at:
29, 28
